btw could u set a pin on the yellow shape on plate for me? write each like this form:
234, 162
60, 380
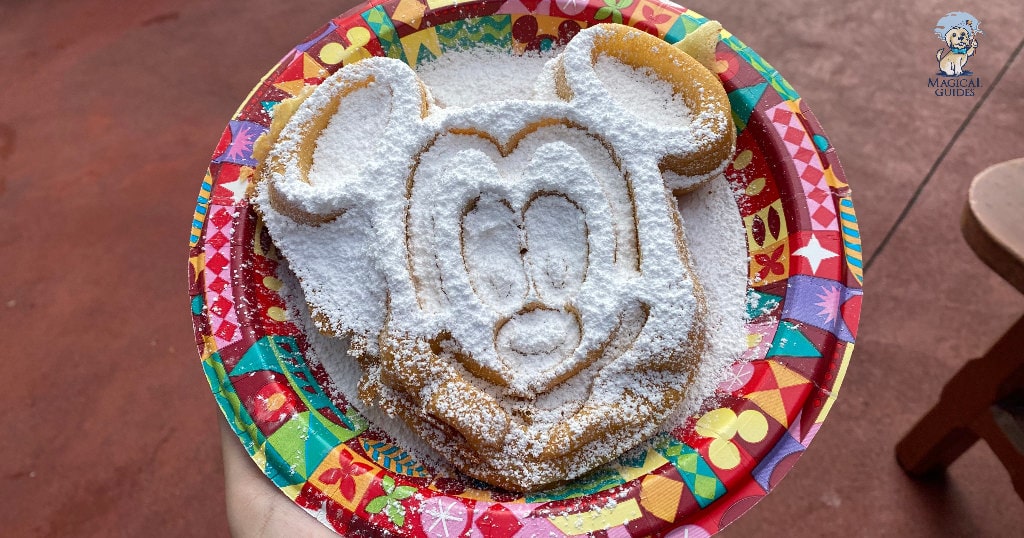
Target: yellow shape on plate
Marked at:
335, 53
721, 425
660, 496
598, 519
743, 159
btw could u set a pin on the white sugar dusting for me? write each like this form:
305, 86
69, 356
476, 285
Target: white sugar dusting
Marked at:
479, 75
718, 248
546, 251
640, 92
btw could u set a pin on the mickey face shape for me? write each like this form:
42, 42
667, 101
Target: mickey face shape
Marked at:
522, 247
513, 275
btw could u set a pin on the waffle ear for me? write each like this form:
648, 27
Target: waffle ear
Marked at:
696, 150
337, 131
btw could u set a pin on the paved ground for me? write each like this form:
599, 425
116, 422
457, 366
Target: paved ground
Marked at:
109, 112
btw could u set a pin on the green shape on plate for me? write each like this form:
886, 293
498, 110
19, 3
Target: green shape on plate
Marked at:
790, 342
379, 21
685, 24
593, 482
687, 463
705, 487
197, 305
227, 399
322, 437
635, 458
766, 70
280, 354
492, 30
289, 441
698, 476
262, 355
743, 101
759, 303
424, 55
820, 141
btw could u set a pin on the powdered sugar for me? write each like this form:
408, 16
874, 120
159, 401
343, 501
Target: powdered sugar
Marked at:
641, 93
717, 241
481, 75
535, 234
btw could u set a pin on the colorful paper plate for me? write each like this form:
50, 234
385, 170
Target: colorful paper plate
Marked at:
804, 301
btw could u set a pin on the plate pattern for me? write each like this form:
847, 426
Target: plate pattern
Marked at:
804, 302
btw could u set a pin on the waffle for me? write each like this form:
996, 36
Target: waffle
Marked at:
512, 276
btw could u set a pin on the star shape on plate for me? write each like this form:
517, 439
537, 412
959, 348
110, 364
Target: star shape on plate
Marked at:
815, 253
237, 188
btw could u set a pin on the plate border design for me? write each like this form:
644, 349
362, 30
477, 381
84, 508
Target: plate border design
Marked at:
803, 303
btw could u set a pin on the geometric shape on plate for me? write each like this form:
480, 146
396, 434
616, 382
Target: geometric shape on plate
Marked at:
600, 519
696, 473
818, 302
276, 357
202, 207
644, 463
779, 394
384, 29
815, 253
791, 342
444, 517
682, 26
721, 425
494, 31
765, 226
393, 458
743, 102
660, 496
601, 479
498, 520
421, 46
239, 149
851, 239
786, 446
808, 165
760, 304
290, 439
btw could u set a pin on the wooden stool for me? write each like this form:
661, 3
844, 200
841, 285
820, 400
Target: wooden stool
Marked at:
985, 399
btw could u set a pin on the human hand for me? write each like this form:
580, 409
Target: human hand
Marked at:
256, 508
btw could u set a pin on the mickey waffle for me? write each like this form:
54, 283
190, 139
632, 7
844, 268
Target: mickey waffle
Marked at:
512, 276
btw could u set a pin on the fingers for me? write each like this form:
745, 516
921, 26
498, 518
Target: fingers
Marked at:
255, 507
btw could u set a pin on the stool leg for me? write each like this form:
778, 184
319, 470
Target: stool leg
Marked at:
1005, 437
945, 432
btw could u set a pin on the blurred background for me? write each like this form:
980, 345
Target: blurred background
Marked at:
109, 112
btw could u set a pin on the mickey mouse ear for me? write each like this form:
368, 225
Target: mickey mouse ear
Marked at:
692, 128
327, 139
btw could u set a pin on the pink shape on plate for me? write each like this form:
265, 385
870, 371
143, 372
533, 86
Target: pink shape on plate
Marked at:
443, 517
533, 526
764, 333
571, 7
619, 532
689, 531
739, 375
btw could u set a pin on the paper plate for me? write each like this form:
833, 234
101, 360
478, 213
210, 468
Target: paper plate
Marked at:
804, 297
